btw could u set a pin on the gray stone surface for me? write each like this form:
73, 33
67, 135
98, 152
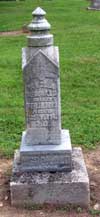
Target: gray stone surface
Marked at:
40, 64
28, 53
95, 5
60, 188
45, 157
44, 146
45, 169
64, 146
42, 99
39, 28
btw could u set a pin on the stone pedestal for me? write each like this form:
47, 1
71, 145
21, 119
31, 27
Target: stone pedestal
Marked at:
59, 188
45, 157
46, 169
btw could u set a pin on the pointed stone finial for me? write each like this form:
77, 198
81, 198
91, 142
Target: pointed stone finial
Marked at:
38, 11
39, 30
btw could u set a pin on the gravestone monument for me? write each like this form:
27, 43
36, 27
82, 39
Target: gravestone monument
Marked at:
46, 169
95, 5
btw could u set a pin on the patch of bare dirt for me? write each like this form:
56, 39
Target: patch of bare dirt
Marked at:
92, 159
14, 33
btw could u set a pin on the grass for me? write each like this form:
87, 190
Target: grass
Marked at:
11, 97
77, 33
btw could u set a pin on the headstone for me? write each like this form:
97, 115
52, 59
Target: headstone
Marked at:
95, 5
44, 147
46, 165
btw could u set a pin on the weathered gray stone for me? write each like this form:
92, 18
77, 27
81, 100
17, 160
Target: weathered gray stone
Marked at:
64, 146
28, 53
42, 100
42, 90
44, 157
45, 169
95, 5
44, 146
39, 28
60, 188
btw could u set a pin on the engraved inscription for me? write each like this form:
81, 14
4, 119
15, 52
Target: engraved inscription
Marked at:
41, 94
41, 103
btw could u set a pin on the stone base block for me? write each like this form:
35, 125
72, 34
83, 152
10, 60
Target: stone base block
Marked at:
45, 158
60, 188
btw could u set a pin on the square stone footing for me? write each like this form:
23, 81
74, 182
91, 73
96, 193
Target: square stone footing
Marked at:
60, 188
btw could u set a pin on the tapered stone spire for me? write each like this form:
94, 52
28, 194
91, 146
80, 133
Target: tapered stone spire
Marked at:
39, 30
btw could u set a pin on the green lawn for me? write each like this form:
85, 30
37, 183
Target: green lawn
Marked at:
77, 33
